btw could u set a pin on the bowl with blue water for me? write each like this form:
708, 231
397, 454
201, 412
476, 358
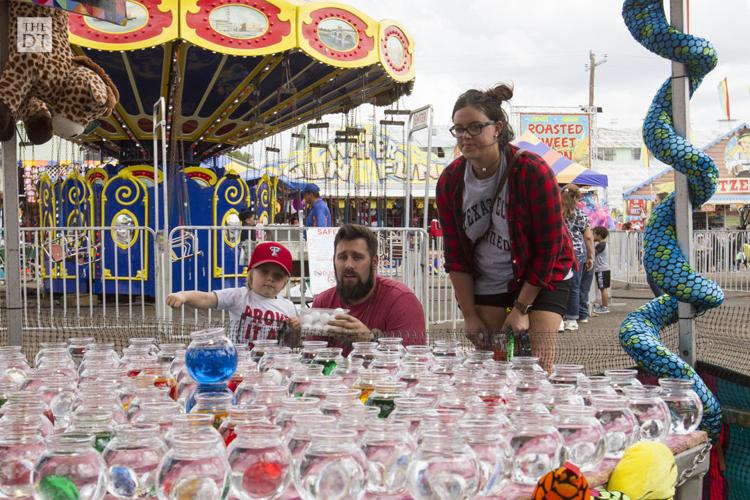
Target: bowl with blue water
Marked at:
211, 358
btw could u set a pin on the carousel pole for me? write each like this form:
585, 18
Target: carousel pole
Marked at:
679, 11
13, 306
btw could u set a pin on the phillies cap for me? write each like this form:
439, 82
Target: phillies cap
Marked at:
270, 251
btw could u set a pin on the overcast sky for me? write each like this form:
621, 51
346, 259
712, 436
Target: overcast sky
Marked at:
542, 46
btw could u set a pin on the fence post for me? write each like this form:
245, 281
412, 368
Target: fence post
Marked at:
10, 211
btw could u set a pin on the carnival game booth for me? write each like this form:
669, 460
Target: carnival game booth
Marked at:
731, 153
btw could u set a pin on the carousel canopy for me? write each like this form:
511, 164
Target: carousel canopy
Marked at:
566, 170
236, 71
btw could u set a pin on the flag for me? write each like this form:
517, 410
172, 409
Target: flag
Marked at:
724, 99
645, 155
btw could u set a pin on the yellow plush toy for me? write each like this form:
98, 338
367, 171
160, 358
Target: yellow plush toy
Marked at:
647, 471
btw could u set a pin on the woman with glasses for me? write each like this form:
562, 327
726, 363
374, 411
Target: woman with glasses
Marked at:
506, 248
583, 248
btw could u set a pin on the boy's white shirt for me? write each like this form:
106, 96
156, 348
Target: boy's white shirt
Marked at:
257, 316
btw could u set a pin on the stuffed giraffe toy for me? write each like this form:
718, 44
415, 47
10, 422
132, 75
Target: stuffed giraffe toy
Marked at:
51, 92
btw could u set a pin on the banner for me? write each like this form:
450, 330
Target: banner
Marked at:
733, 185
320, 251
568, 134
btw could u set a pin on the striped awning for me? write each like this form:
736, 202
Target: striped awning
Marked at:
730, 199
566, 170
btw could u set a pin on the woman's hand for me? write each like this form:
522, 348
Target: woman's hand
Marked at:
475, 330
516, 321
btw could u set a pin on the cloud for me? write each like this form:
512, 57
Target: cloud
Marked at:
542, 47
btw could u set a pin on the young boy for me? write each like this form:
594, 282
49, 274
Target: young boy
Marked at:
601, 267
255, 311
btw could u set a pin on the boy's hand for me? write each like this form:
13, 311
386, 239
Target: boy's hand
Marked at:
295, 324
175, 300
291, 336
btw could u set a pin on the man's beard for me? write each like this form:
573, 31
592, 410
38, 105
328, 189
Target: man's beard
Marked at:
357, 291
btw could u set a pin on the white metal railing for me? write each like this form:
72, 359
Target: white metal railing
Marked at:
443, 301
111, 271
66, 270
721, 255
201, 262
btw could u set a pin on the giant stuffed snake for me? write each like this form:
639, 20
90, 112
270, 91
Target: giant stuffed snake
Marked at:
663, 260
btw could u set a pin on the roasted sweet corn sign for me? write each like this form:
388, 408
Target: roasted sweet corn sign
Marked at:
568, 134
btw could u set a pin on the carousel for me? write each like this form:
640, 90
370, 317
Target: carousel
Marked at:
198, 80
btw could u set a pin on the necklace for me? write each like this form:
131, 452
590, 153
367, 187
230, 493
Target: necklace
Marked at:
485, 169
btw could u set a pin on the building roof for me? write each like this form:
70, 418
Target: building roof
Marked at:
668, 173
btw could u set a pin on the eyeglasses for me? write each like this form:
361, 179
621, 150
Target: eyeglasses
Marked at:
473, 129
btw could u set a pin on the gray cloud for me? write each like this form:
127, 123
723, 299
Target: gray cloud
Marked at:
542, 47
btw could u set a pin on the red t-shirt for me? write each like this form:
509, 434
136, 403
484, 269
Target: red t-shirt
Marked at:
393, 309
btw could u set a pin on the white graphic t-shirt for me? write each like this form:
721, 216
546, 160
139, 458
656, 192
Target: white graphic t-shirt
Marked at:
487, 222
253, 316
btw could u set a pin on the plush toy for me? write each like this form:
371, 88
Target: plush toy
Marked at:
564, 483
629, 478
51, 91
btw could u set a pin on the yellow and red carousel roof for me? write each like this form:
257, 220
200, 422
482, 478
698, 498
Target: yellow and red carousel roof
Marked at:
235, 71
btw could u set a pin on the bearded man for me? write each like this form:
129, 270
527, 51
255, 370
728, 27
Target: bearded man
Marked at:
378, 306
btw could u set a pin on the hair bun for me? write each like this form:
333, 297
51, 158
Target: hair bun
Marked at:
502, 92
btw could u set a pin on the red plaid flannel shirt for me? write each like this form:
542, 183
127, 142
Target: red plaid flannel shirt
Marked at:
541, 248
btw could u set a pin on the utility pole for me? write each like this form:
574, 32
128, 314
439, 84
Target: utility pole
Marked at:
591, 68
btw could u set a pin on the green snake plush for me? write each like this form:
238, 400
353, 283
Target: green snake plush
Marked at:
663, 260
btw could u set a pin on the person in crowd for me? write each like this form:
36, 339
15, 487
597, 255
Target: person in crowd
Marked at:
318, 214
377, 306
601, 268
248, 233
249, 221
587, 277
507, 252
580, 233
256, 311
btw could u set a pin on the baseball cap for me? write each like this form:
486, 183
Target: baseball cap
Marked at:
311, 188
270, 251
